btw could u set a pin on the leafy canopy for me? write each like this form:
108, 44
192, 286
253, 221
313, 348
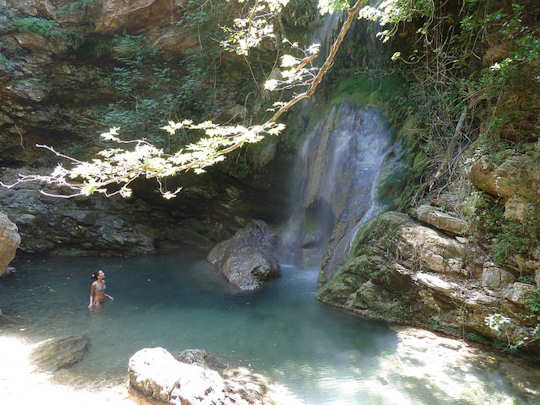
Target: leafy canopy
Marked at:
114, 169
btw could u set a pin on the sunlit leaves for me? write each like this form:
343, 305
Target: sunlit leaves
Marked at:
116, 168
112, 173
248, 32
329, 6
389, 13
297, 72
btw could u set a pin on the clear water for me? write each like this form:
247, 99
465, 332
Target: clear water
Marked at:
178, 302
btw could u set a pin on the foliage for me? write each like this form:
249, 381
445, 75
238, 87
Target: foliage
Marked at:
439, 56
41, 26
506, 237
436, 66
200, 16
116, 168
300, 13
257, 25
532, 303
496, 322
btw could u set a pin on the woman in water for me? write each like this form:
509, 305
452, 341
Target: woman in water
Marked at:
97, 290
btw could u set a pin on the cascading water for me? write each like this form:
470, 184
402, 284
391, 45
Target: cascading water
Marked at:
340, 162
336, 174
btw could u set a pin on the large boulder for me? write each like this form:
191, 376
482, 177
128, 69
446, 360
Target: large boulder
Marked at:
61, 352
247, 260
516, 180
402, 271
9, 242
156, 376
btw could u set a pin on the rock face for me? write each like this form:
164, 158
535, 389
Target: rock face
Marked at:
402, 271
247, 260
440, 220
133, 16
63, 352
102, 226
59, 65
9, 242
516, 180
155, 375
515, 176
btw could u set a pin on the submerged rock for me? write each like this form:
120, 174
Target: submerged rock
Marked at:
248, 259
155, 375
62, 352
9, 242
440, 370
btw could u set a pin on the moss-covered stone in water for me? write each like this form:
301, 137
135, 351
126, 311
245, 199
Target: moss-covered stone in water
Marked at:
364, 264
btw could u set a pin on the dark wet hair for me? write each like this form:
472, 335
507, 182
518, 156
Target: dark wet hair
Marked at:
94, 275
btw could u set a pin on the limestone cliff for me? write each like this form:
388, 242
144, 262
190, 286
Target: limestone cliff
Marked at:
69, 70
467, 263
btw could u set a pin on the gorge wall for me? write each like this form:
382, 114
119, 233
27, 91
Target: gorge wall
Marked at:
69, 70
469, 248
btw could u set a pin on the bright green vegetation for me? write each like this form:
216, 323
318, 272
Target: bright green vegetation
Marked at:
80, 7
368, 260
476, 60
532, 303
41, 26
505, 237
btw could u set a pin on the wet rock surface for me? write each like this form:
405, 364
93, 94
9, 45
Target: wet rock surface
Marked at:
155, 375
59, 62
248, 259
58, 353
9, 242
402, 271
144, 224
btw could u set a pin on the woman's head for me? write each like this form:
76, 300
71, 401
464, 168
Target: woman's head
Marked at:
97, 275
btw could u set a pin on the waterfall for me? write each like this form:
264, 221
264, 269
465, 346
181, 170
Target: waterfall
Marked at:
338, 167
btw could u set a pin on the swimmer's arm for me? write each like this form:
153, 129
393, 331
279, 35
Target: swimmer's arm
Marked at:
92, 293
108, 296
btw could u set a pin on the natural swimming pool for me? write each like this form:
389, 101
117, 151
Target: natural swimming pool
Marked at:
177, 301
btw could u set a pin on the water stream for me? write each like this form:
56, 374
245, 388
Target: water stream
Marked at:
177, 302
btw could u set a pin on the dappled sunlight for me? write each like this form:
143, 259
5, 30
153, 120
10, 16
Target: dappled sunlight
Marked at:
427, 368
312, 354
21, 383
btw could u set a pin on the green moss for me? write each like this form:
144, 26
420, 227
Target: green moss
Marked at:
369, 90
532, 303
367, 261
505, 237
80, 7
41, 26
